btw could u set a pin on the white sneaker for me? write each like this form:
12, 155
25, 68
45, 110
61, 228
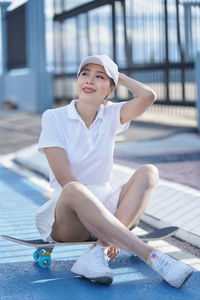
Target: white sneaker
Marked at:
175, 272
93, 264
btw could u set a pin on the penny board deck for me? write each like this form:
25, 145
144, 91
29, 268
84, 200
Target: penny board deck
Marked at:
156, 234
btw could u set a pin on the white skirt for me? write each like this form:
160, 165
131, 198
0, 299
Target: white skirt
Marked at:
44, 218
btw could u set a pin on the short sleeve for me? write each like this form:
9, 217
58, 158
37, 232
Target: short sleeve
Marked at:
118, 126
51, 132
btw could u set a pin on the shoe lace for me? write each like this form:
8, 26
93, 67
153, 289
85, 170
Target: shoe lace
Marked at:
102, 258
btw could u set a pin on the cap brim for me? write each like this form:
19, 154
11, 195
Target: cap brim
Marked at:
90, 60
103, 63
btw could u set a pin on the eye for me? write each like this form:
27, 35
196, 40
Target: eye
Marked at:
99, 76
84, 74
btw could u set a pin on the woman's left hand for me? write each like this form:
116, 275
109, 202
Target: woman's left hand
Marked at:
121, 78
113, 252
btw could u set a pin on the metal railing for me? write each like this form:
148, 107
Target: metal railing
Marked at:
153, 41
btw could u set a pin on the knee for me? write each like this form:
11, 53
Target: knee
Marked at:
150, 175
71, 192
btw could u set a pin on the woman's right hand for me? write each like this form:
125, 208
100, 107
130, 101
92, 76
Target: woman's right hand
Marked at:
113, 252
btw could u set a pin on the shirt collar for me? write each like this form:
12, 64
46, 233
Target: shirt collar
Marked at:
73, 114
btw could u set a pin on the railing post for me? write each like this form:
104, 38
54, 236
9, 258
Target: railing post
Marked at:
3, 51
37, 54
197, 73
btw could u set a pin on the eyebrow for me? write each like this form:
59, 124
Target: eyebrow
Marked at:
86, 69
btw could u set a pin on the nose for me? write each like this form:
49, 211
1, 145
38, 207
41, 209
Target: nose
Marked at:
90, 79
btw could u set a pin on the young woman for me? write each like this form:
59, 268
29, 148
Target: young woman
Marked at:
78, 141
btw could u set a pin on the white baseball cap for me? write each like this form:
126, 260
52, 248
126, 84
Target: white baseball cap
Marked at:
110, 67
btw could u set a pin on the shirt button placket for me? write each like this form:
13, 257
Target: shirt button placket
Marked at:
90, 141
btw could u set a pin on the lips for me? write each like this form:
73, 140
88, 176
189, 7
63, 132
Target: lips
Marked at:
89, 90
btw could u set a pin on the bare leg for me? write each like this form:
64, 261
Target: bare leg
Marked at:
79, 212
136, 194
134, 198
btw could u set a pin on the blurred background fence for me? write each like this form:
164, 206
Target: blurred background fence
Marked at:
153, 41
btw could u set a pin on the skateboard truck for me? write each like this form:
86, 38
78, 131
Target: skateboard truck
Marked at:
43, 257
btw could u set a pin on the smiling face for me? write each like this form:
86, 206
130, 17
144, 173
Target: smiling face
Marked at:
93, 84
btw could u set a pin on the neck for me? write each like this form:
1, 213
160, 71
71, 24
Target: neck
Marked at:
87, 112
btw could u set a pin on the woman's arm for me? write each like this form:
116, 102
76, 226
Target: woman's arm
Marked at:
143, 98
59, 164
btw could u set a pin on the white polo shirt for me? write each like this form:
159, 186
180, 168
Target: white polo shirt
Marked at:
89, 151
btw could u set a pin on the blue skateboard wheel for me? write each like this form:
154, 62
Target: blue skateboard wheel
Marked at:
44, 261
36, 255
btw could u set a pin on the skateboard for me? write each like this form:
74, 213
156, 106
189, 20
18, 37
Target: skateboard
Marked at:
42, 255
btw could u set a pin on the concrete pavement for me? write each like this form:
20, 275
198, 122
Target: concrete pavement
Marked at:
176, 156
18, 130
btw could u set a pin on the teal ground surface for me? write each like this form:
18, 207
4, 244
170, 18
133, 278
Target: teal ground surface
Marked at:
21, 278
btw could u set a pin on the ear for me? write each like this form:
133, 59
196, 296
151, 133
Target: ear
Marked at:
112, 88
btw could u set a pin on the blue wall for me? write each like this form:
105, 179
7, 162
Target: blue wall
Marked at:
31, 88
198, 87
